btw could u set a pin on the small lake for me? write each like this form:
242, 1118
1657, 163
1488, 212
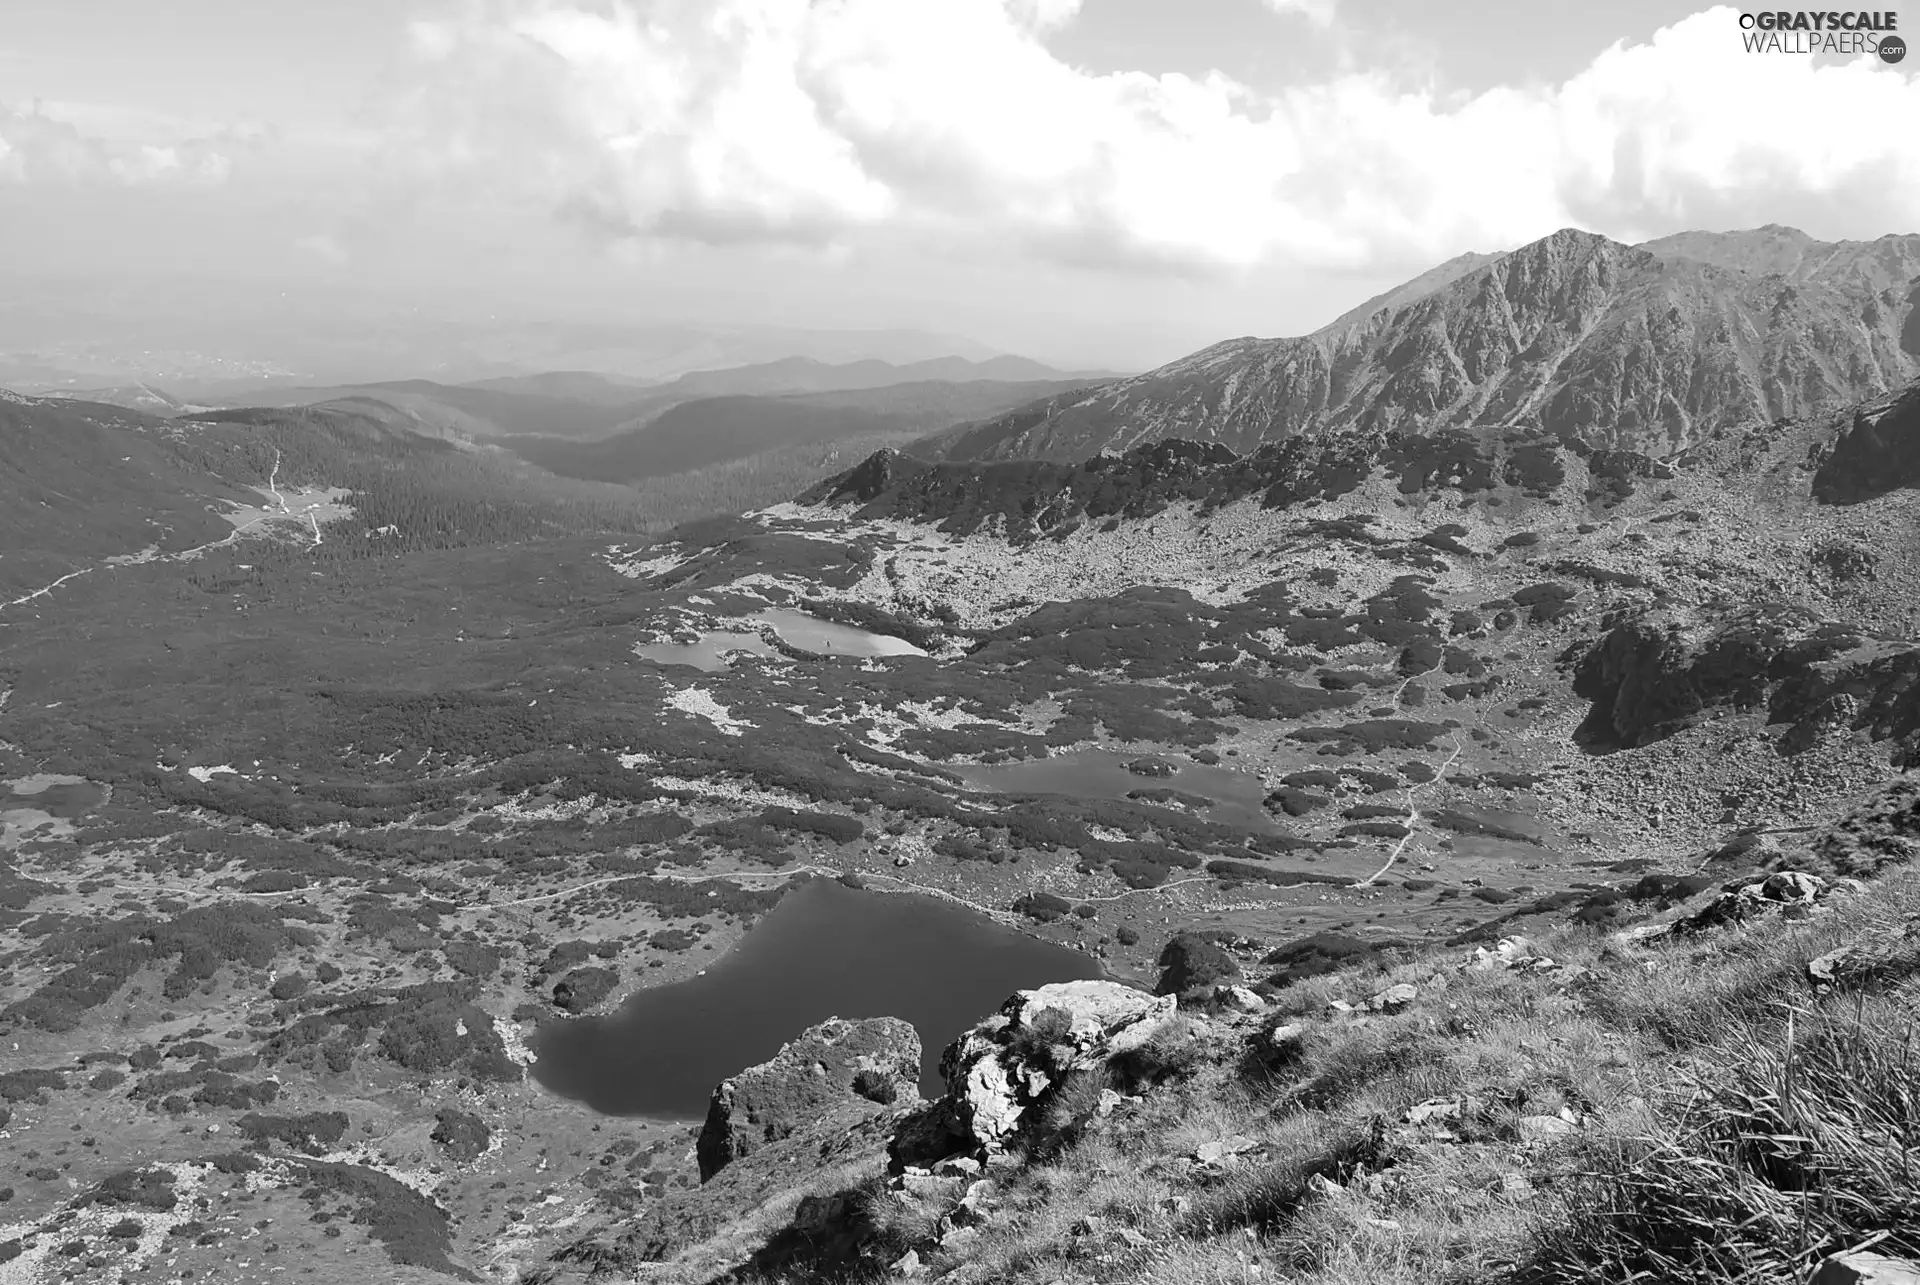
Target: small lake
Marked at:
825, 950
709, 654
796, 628
823, 637
1237, 796
66, 797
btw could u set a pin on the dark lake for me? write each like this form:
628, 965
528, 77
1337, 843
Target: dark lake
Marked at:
825, 951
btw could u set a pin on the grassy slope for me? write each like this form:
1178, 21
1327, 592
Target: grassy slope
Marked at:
1730, 1120
79, 481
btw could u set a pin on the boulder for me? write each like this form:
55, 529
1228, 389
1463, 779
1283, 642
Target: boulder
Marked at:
1784, 890
1393, 998
1882, 957
1864, 1268
1240, 999
1514, 954
1286, 1039
1542, 1129
1001, 1071
837, 1067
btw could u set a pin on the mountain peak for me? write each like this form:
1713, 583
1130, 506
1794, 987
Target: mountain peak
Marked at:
1571, 242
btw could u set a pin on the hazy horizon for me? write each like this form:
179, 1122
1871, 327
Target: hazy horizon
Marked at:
1090, 183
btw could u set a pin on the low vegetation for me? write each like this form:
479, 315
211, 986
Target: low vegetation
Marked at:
1727, 1106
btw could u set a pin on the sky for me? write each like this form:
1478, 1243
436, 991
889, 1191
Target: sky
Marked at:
1093, 182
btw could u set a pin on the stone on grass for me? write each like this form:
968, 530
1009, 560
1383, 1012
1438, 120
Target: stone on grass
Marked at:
1864, 1268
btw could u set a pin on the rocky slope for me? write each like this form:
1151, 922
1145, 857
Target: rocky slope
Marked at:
1646, 348
1555, 1109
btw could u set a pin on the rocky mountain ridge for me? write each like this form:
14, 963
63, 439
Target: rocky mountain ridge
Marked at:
1645, 348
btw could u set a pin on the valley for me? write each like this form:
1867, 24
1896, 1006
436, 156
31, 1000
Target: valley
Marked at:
401, 840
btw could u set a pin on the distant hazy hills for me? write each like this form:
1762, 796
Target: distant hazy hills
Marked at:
140, 397
455, 410
804, 375
585, 404
1645, 347
205, 341
716, 429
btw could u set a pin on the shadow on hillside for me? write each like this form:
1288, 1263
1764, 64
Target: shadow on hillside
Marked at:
828, 1241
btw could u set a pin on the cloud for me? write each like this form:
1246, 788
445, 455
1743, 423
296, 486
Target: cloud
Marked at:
1318, 12
832, 122
37, 148
322, 246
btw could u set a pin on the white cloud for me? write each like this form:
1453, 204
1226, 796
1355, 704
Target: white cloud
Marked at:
38, 148
322, 246
951, 122
1318, 12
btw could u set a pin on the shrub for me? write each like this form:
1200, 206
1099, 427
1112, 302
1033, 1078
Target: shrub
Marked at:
1191, 961
146, 1188
1041, 1039
461, 1134
313, 1131
1172, 1053
582, 988
827, 825
30, 1086
470, 959
409, 1226
876, 1086
1044, 907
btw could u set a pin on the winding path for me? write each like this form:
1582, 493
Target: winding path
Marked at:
46, 589
1413, 815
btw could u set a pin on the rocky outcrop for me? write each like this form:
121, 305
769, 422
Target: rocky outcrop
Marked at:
1787, 892
1000, 1074
1878, 452
836, 1068
1655, 674
1884, 831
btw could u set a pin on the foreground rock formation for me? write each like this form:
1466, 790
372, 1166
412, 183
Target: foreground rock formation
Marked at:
836, 1068
1002, 1071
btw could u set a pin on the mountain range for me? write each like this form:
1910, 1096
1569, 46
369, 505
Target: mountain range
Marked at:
1648, 347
